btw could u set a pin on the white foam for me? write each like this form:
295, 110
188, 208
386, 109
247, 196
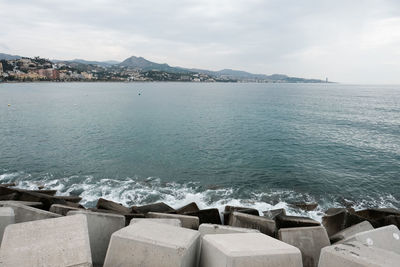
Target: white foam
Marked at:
135, 191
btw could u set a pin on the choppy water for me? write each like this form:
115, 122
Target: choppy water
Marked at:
260, 145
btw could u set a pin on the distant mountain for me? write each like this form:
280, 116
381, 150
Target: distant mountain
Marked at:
8, 57
146, 65
87, 62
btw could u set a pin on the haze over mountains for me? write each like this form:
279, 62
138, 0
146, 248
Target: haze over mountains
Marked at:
143, 64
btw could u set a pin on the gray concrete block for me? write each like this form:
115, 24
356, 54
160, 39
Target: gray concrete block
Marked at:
215, 229
153, 244
190, 222
62, 209
310, 241
264, 225
387, 237
26, 214
6, 217
247, 249
355, 254
173, 222
352, 230
101, 226
26, 203
54, 242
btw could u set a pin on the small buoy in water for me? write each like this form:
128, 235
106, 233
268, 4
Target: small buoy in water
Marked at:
139, 94
9, 105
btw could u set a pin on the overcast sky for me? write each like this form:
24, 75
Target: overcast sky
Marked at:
348, 41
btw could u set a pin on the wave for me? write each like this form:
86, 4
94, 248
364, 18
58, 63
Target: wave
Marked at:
136, 191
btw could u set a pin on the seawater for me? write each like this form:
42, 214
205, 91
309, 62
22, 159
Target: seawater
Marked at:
257, 145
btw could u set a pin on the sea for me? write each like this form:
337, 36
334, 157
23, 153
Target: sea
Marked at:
261, 145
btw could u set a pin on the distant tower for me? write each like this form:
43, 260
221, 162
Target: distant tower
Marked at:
326, 79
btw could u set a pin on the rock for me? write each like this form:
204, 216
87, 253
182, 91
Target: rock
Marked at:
25, 213
352, 230
284, 221
215, 229
61, 209
310, 241
355, 254
387, 237
37, 205
262, 224
111, 205
148, 244
191, 207
172, 222
155, 207
54, 242
247, 249
339, 219
271, 214
101, 226
191, 222
305, 206
206, 216
6, 217
229, 209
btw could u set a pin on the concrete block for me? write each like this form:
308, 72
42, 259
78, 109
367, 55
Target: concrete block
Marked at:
247, 249
271, 214
387, 237
61, 209
173, 222
26, 214
310, 241
355, 254
284, 221
111, 205
155, 207
264, 225
191, 207
338, 219
6, 217
190, 222
54, 242
206, 216
26, 203
101, 226
215, 229
153, 244
352, 230
229, 209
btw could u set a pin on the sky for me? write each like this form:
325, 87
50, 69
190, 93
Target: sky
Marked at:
347, 41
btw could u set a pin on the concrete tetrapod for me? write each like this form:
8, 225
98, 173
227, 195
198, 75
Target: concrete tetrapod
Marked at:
153, 244
387, 237
57, 242
6, 217
101, 226
310, 241
355, 254
247, 249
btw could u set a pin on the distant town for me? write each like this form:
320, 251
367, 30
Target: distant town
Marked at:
25, 69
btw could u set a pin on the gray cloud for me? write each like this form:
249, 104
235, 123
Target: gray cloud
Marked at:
348, 41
